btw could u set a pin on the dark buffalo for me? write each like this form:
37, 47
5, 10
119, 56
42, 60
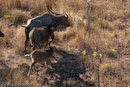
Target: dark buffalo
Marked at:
1, 34
46, 20
36, 36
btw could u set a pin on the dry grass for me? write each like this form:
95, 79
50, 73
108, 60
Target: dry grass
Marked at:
109, 23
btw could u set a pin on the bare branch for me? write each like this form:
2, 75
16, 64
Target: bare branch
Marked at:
97, 48
88, 27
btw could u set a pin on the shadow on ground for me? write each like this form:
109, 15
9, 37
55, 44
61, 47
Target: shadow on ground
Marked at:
64, 73
10, 76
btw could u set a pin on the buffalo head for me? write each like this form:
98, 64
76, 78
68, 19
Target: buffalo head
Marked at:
65, 20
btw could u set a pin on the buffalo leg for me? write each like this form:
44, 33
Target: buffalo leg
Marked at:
47, 63
31, 68
52, 37
33, 48
27, 39
54, 57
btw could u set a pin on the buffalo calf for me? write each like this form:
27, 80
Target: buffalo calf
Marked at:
40, 56
40, 35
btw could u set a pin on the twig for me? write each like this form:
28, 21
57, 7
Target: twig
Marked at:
99, 62
98, 72
88, 27
97, 48
83, 61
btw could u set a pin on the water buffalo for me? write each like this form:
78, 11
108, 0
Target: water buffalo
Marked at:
46, 20
1, 34
40, 56
41, 34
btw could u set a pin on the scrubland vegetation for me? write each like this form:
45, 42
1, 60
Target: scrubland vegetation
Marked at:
109, 40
